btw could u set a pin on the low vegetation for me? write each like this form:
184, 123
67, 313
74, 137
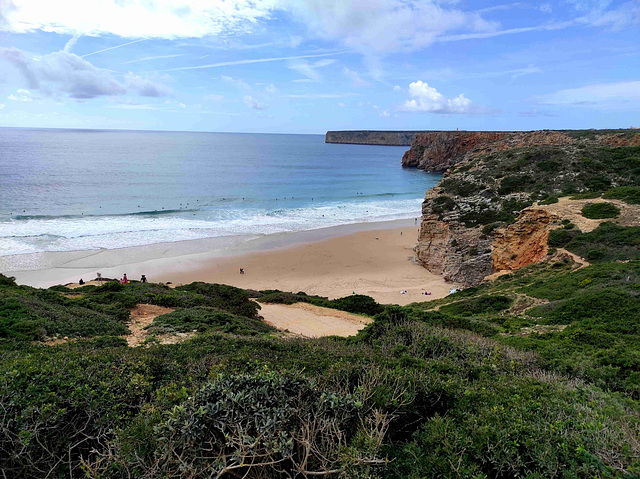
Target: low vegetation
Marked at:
534, 375
598, 211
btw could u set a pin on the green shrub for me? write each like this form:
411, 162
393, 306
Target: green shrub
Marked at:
442, 204
560, 237
257, 426
628, 194
598, 211
608, 242
204, 318
487, 304
549, 200
512, 184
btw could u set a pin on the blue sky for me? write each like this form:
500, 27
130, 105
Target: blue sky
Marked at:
307, 66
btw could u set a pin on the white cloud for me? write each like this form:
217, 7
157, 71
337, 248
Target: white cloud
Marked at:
612, 95
383, 25
138, 18
545, 8
21, 95
253, 103
2, 105
237, 82
356, 79
65, 72
310, 70
146, 87
271, 89
68, 73
428, 99
397, 88
341, 105
384, 114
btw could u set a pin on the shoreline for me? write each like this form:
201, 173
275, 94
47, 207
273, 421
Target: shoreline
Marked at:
366, 258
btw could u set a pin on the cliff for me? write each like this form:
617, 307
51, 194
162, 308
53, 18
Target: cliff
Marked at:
365, 137
479, 219
439, 150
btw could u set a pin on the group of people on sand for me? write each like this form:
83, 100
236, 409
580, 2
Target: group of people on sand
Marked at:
123, 280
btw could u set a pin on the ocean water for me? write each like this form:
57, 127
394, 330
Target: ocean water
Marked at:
65, 190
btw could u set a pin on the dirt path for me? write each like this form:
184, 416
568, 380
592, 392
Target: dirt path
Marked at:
312, 321
142, 316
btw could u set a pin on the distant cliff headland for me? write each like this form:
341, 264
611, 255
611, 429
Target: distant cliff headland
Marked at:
370, 137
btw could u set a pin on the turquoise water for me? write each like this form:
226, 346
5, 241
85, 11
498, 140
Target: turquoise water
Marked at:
63, 190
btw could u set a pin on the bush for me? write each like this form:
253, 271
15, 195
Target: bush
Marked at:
203, 319
608, 242
257, 426
442, 204
549, 200
512, 184
561, 237
487, 304
597, 211
628, 194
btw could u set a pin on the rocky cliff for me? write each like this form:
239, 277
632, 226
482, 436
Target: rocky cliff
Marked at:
369, 137
479, 219
437, 151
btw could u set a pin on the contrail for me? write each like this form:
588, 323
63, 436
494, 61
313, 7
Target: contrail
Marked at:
113, 48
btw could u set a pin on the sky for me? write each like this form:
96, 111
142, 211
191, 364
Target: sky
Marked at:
308, 66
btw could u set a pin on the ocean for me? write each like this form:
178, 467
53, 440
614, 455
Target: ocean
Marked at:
67, 190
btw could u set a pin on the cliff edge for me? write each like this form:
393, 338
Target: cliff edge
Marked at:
487, 214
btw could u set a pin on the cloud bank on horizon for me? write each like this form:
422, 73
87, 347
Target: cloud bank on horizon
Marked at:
311, 65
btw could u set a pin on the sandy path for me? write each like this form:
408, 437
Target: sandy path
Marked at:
142, 316
312, 321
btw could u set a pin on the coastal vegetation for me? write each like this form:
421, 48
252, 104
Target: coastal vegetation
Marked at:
533, 375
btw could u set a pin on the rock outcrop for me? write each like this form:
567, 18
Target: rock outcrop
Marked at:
479, 219
523, 242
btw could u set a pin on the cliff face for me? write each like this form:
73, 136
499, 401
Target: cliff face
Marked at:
523, 242
437, 151
479, 218
364, 137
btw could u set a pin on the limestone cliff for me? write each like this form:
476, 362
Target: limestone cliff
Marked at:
479, 218
371, 137
437, 151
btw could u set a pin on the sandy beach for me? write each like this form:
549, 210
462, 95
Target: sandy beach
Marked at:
369, 258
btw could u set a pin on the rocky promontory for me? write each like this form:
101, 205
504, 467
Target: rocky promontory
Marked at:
438, 150
488, 213
371, 137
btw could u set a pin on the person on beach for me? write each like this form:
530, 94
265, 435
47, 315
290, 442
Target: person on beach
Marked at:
124, 279
241, 270
143, 279
81, 282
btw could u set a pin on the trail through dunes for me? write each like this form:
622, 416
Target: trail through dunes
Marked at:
312, 321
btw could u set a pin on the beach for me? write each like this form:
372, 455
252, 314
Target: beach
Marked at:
375, 259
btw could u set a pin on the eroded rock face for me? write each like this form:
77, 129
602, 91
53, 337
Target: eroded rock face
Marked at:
523, 242
437, 151
447, 247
